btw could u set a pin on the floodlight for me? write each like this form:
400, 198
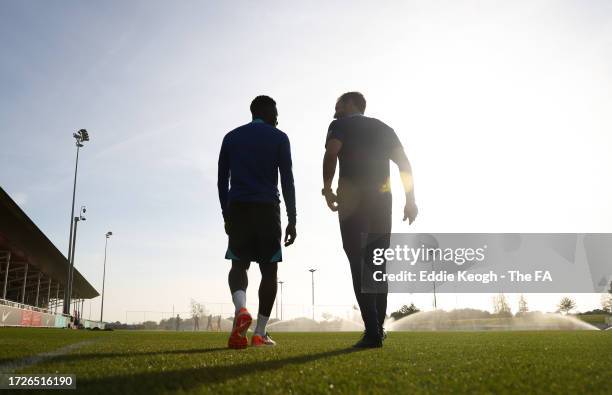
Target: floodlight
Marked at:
84, 135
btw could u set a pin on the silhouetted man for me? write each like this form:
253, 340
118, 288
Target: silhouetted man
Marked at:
250, 159
364, 146
196, 322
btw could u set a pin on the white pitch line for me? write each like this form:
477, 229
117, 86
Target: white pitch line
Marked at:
11, 367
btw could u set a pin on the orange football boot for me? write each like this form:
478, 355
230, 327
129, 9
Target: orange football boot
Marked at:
265, 340
238, 338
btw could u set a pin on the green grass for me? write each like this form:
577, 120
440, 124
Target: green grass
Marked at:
124, 362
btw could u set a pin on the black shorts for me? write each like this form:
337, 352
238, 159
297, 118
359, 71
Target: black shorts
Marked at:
254, 232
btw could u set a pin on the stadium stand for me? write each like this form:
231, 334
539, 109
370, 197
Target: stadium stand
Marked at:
33, 274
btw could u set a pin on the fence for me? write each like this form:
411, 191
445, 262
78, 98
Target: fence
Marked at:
226, 310
17, 314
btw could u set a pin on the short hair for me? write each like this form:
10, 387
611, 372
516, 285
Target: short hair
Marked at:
262, 105
356, 98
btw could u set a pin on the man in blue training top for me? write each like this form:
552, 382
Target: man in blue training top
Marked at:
250, 159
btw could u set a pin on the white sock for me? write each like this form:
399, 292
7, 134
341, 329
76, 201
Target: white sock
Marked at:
239, 299
262, 321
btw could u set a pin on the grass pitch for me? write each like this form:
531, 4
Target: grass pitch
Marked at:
128, 362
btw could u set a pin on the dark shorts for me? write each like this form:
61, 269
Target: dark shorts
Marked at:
254, 232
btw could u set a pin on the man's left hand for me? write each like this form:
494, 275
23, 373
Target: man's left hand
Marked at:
410, 212
290, 235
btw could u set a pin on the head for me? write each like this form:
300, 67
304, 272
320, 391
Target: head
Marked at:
350, 103
264, 108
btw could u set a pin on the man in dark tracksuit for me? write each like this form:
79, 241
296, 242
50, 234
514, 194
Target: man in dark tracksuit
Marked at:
364, 146
250, 160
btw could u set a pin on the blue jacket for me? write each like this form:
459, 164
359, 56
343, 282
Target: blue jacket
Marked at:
249, 162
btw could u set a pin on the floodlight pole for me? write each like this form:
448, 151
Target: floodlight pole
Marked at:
71, 274
67, 296
80, 137
108, 234
313, 300
435, 301
76, 222
281, 298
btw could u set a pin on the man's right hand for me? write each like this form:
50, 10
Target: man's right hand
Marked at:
332, 200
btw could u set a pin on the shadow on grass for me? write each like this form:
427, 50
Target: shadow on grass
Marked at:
156, 382
70, 358
67, 358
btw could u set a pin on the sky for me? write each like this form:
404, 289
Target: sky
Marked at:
503, 109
